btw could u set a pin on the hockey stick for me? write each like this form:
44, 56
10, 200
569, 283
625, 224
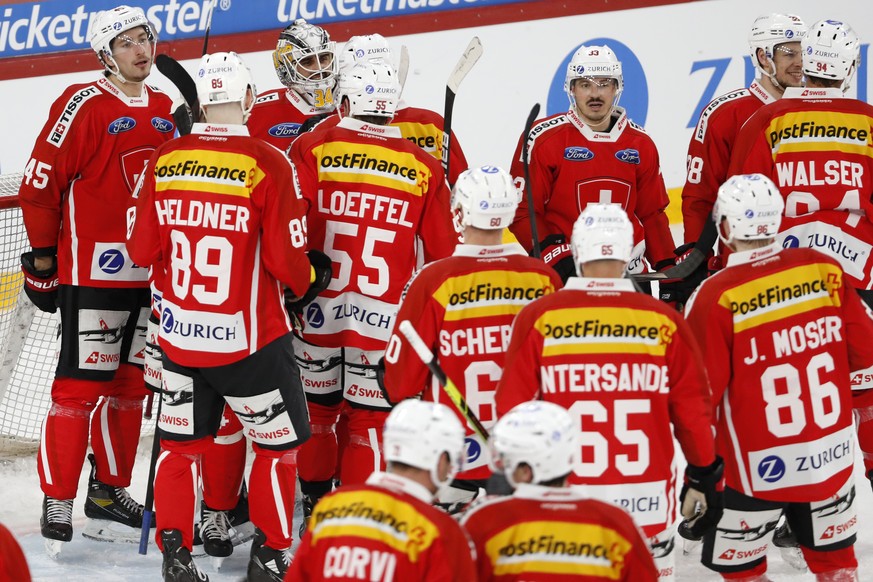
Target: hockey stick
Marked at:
451, 390
692, 262
403, 67
176, 73
465, 63
150, 487
525, 155
208, 27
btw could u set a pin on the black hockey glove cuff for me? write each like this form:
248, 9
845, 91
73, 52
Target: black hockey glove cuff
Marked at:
556, 254
677, 292
41, 286
701, 499
184, 119
322, 265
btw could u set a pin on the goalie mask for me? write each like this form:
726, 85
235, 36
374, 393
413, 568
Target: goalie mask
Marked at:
752, 206
224, 78
371, 88
593, 62
768, 32
602, 232
112, 24
485, 198
305, 62
831, 50
538, 434
418, 433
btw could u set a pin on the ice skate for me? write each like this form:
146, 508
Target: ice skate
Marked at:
267, 564
115, 516
785, 540
56, 524
178, 565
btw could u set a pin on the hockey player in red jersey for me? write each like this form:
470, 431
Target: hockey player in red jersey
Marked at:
593, 153
463, 307
217, 210
626, 367
541, 531
378, 206
780, 331
387, 528
305, 62
83, 168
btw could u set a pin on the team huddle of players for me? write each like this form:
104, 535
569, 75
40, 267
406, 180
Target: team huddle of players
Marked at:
259, 266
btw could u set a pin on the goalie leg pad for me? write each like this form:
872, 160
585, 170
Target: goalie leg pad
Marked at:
176, 486
62, 449
271, 500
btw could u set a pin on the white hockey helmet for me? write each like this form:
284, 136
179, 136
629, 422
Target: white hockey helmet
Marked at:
831, 50
372, 88
594, 62
486, 198
224, 78
364, 48
111, 23
602, 232
314, 82
539, 434
752, 206
770, 30
417, 433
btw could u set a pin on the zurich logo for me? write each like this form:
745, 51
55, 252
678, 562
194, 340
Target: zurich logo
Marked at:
589, 221
490, 169
116, 26
809, 50
749, 213
111, 261
121, 125
789, 34
629, 156
369, 89
314, 315
483, 204
771, 468
359, 53
284, 130
574, 154
167, 321
201, 72
473, 448
791, 242
162, 124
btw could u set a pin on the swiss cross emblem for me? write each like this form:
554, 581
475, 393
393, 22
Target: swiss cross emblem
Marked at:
133, 162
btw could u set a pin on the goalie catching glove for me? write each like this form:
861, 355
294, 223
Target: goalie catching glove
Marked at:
557, 255
322, 273
701, 500
41, 286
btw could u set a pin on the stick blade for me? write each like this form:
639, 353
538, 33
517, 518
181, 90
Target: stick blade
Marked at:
176, 73
471, 55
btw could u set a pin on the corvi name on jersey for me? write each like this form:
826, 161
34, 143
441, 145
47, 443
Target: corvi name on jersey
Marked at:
202, 331
354, 562
59, 133
110, 262
646, 502
802, 464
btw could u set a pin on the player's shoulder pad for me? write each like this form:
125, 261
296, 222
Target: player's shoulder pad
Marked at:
480, 503
713, 107
544, 125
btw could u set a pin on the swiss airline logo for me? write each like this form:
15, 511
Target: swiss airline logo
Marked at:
728, 554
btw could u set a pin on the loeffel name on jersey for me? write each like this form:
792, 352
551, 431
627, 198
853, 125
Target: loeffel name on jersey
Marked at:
359, 563
489, 339
817, 173
195, 213
643, 377
365, 205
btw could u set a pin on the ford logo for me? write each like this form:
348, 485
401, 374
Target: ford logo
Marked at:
121, 125
628, 156
162, 124
284, 130
577, 154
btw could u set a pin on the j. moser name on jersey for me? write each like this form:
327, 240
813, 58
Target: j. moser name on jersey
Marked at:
489, 339
195, 213
489, 292
595, 327
561, 378
806, 130
361, 161
797, 338
359, 564
365, 205
820, 173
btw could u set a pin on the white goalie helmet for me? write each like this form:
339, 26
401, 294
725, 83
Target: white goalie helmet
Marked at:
364, 48
417, 433
539, 434
831, 50
770, 30
315, 79
602, 232
752, 206
595, 62
372, 88
224, 78
486, 198
111, 23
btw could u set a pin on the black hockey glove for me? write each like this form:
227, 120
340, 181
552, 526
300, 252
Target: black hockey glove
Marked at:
701, 501
184, 118
41, 287
322, 265
677, 292
556, 254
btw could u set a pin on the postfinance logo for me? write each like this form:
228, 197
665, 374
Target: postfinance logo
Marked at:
233, 174
372, 164
504, 293
811, 130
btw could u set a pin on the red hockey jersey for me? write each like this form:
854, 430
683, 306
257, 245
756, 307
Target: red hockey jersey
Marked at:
626, 366
779, 332
463, 307
218, 211
709, 152
387, 530
277, 116
816, 145
548, 534
372, 197
424, 128
77, 183
572, 166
